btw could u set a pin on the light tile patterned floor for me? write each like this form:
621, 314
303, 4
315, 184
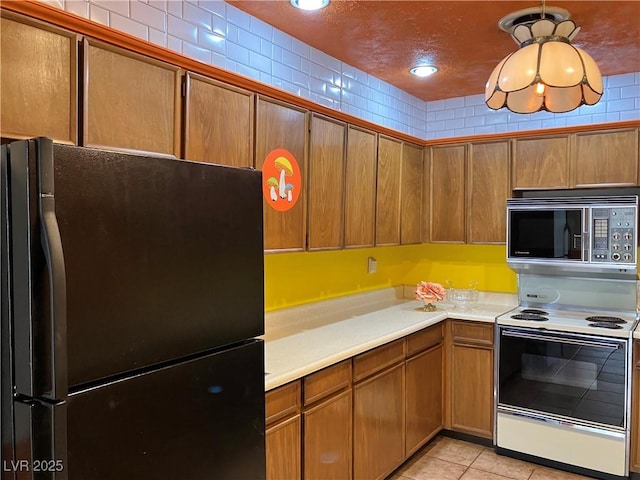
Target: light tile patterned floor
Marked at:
449, 459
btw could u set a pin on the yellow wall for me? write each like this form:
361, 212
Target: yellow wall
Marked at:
297, 278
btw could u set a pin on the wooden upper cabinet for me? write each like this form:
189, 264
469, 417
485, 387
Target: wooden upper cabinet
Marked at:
448, 194
411, 194
326, 183
360, 188
388, 191
541, 163
38, 80
131, 102
605, 159
488, 189
279, 125
218, 122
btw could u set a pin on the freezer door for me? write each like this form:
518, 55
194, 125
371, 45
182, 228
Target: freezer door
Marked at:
201, 419
36, 311
164, 258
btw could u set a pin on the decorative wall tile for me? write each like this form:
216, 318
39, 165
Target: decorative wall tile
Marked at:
98, 14
214, 6
249, 40
129, 26
78, 7
260, 62
174, 7
237, 53
157, 37
196, 16
211, 41
121, 7
196, 52
148, 15
181, 29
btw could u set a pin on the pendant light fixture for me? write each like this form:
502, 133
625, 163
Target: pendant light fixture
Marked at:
547, 72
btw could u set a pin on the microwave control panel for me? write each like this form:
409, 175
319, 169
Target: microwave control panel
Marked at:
613, 234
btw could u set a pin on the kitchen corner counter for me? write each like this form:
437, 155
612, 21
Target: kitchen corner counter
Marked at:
302, 340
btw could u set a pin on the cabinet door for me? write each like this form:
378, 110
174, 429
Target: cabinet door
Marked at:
448, 194
472, 390
388, 191
131, 102
282, 126
540, 163
378, 425
218, 122
38, 80
424, 398
605, 159
326, 183
284, 456
411, 194
360, 188
488, 184
328, 439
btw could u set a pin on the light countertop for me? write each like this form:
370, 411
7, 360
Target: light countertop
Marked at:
302, 340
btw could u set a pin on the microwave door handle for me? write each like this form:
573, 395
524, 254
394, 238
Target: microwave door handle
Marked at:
571, 341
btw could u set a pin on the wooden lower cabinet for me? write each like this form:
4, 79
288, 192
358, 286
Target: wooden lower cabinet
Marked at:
283, 434
283, 450
423, 398
634, 462
378, 424
470, 368
328, 439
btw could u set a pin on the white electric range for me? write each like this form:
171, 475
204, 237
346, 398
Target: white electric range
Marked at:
563, 373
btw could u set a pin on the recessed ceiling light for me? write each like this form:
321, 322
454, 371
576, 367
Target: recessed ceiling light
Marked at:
423, 70
310, 4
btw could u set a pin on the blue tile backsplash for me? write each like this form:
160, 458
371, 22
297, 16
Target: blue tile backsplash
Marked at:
214, 32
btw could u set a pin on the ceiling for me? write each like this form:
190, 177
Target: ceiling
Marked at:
462, 38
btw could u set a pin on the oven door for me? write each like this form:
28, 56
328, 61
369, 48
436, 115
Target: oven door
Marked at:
580, 377
563, 397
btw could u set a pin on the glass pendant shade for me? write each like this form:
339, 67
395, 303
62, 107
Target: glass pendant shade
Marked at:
546, 73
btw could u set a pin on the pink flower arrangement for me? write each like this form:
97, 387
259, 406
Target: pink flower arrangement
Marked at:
429, 292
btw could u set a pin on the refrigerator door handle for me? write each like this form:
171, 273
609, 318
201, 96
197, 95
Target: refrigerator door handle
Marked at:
54, 257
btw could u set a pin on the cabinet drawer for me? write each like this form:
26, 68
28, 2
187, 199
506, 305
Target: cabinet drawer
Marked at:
282, 402
424, 339
377, 359
327, 381
472, 333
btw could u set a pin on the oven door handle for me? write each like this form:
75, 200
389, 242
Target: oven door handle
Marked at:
571, 341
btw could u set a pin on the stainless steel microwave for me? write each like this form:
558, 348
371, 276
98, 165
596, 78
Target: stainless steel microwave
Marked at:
573, 235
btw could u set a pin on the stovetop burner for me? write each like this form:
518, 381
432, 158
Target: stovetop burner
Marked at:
534, 311
605, 319
529, 316
609, 325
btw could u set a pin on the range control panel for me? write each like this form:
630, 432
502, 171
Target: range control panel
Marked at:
613, 234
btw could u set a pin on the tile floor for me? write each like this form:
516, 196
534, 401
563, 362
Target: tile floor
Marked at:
449, 459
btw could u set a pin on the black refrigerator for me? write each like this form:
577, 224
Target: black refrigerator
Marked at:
132, 296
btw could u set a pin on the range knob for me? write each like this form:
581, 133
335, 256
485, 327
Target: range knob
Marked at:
627, 257
627, 247
616, 236
628, 236
615, 256
615, 247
